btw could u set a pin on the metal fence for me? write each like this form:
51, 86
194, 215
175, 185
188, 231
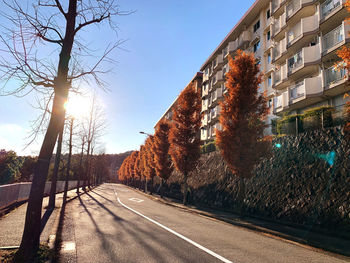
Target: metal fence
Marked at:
13, 193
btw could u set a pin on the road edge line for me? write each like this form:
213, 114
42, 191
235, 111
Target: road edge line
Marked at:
208, 251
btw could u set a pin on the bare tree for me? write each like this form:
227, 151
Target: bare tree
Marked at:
35, 26
94, 127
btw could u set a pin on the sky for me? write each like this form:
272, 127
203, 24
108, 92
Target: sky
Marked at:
165, 44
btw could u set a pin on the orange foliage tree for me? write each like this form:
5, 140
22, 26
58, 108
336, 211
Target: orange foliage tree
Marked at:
242, 112
163, 165
184, 134
149, 162
131, 165
344, 55
137, 168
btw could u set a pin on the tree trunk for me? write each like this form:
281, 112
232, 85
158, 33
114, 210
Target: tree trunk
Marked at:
80, 164
241, 196
52, 199
146, 181
31, 234
184, 201
151, 187
161, 188
69, 160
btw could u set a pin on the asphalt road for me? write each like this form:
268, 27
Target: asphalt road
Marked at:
113, 223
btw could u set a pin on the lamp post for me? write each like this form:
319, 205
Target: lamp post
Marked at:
145, 133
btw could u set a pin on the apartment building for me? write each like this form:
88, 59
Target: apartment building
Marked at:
295, 43
197, 81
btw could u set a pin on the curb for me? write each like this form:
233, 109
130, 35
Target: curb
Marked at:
316, 246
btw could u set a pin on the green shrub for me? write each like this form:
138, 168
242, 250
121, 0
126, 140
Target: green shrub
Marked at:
287, 124
312, 118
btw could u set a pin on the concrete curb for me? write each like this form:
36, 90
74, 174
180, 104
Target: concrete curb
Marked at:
317, 246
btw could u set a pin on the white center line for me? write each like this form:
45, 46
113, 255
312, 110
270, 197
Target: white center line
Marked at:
175, 233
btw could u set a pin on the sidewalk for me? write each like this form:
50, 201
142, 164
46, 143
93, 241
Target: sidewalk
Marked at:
289, 233
12, 224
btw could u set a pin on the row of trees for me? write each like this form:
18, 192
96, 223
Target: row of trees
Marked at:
176, 143
15, 168
42, 53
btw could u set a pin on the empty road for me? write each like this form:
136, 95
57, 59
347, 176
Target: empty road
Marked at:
114, 223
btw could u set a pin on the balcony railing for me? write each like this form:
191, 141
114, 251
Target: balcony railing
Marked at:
333, 38
275, 5
277, 76
276, 26
328, 6
297, 91
292, 7
278, 102
332, 75
295, 61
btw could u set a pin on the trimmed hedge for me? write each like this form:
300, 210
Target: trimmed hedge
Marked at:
310, 120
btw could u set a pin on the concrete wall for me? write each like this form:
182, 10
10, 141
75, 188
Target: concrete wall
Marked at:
12, 193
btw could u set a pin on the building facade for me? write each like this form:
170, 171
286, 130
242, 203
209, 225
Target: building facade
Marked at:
197, 81
295, 43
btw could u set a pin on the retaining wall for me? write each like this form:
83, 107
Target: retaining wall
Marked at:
13, 193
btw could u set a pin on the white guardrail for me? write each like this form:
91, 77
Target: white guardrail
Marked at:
13, 193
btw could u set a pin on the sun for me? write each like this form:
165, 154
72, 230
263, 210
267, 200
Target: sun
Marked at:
77, 106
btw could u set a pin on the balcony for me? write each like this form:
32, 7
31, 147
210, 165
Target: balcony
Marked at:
218, 60
279, 27
280, 102
280, 51
218, 78
296, 5
335, 81
244, 38
304, 62
204, 105
305, 93
277, 6
230, 48
303, 32
280, 77
204, 134
329, 7
205, 90
335, 38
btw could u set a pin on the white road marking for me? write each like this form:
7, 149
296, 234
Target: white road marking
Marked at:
136, 200
68, 246
175, 233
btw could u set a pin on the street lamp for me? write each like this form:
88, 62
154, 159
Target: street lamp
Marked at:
145, 133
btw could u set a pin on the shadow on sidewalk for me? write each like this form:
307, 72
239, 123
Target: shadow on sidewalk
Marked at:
44, 219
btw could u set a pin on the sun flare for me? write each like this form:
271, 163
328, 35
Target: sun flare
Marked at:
77, 106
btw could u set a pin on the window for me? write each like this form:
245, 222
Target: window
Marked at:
268, 35
256, 45
269, 58
269, 81
256, 26
268, 14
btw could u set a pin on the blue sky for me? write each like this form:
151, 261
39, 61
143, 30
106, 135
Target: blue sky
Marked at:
167, 42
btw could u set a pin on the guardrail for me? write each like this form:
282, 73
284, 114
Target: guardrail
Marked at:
14, 193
